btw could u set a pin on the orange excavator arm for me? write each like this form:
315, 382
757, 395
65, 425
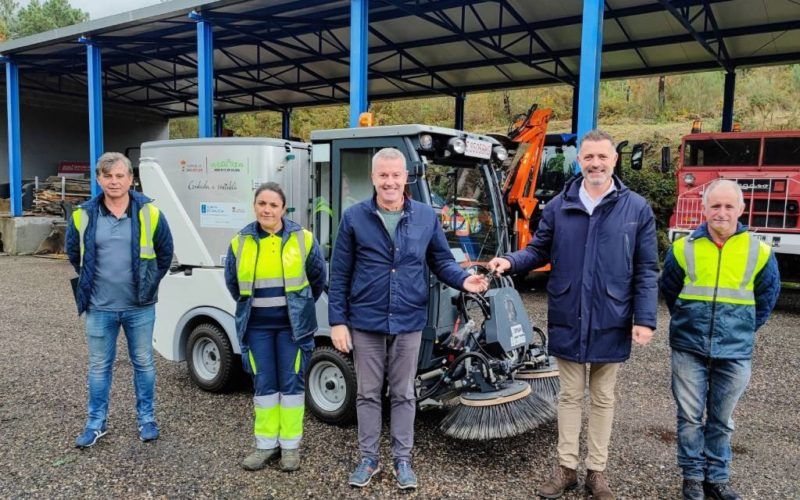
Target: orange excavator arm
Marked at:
529, 131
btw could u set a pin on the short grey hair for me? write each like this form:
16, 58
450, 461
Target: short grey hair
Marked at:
723, 182
388, 154
597, 135
107, 161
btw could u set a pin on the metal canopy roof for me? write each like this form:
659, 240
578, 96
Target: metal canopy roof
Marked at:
290, 53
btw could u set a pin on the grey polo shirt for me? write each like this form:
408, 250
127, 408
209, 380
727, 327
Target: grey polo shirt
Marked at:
113, 288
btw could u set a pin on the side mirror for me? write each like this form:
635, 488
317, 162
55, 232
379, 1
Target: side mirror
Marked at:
666, 158
621, 146
637, 157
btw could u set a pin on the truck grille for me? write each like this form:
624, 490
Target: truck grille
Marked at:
771, 204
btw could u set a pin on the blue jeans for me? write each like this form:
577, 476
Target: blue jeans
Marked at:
712, 385
102, 329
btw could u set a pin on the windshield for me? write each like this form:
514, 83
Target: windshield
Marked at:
722, 153
558, 165
462, 200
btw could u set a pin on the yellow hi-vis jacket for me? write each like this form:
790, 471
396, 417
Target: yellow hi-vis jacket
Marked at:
714, 313
303, 276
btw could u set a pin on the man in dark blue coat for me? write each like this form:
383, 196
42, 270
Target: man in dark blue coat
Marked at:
121, 247
600, 240
377, 306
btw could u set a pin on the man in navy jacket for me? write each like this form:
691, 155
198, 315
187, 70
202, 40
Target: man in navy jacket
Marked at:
378, 305
600, 239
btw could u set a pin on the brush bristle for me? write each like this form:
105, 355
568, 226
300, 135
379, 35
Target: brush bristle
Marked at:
547, 387
498, 421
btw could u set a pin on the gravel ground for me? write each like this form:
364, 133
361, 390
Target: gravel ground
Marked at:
204, 436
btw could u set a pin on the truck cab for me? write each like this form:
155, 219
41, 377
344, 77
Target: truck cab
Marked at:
766, 166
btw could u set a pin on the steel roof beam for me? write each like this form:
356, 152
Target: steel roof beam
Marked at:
446, 23
618, 22
715, 27
652, 42
682, 16
535, 37
403, 53
226, 40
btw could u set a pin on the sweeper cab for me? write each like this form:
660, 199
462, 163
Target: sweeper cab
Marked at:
473, 345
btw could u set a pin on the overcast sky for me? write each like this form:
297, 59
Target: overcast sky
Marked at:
103, 8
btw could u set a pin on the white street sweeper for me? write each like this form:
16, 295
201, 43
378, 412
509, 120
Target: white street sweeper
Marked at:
473, 346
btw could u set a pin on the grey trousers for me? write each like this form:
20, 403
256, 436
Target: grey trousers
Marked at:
396, 356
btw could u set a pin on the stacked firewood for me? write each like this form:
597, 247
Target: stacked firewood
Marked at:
52, 192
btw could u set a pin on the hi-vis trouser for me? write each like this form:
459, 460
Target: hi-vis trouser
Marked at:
278, 364
721, 275
276, 361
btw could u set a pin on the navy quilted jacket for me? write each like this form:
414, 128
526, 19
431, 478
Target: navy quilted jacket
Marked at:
147, 273
604, 276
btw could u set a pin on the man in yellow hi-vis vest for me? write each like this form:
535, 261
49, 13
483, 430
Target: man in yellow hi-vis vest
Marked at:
120, 245
720, 284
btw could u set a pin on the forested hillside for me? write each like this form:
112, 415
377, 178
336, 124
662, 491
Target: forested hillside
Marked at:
766, 98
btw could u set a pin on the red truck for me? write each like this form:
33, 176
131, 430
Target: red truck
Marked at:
767, 167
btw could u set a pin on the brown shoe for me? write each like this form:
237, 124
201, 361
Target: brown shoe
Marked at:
563, 479
597, 486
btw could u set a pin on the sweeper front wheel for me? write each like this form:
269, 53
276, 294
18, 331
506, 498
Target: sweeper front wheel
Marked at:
331, 386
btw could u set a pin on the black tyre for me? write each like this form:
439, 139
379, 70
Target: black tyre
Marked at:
211, 360
331, 386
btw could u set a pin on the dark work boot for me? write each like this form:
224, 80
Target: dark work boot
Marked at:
563, 479
597, 486
720, 491
693, 490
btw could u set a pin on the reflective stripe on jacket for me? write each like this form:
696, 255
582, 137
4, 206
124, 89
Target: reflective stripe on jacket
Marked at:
716, 295
148, 220
304, 277
250, 268
724, 274
151, 248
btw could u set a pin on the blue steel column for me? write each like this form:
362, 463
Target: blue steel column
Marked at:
94, 80
359, 51
205, 76
727, 101
591, 49
461, 98
286, 123
14, 151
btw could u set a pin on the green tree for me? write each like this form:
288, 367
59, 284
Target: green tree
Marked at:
37, 16
8, 14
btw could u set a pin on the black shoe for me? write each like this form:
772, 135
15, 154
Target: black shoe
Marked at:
720, 491
693, 490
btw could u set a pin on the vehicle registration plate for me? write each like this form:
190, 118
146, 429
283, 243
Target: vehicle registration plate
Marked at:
478, 149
